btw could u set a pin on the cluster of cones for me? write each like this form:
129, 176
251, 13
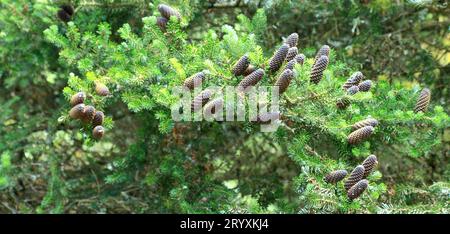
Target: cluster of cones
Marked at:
166, 12
87, 113
362, 130
356, 183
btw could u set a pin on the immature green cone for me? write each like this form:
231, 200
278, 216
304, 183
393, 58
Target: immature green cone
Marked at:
77, 111
342, 103
284, 80
354, 79
251, 80
277, 59
353, 90
241, 65
356, 190
292, 52
267, 117
101, 89
423, 101
318, 68
200, 100
249, 70
194, 80
363, 123
98, 118
365, 86
335, 176
292, 40
369, 163
162, 23
88, 114
360, 135
356, 175
168, 11
323, 51
77, 98
98, 132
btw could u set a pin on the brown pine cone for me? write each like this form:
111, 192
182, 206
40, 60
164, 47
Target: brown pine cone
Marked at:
335, 176
162, 23
363, 123
77, 98
277, 59
291, 64
360, 135
251, 80
356, 190
353, 90
323, 51
292, 52
101, 89
77, 111
88, 114
213, 106
200, 100
241, 65
194, 80
365, 86
292, 40
354, 79
267, 117
98, 132
423, 101
249, 70
369, 163
284, 80
356, 175
168, 11
318, 68
300, 58
68, 9
63, 15
98, 118
342, 103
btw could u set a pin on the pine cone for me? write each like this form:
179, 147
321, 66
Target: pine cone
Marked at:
211, 106
168, 11
284, 80
251, 80
423, 101
354, 79
98, 118
323, 51
342, 103
265, 118
353, 90
77, 98
356, 190
365, 86
200, 100
318, 68
300, 58
363, 123
77, 111
291, 65
194, 80
98, 132
369, 163
101, 89
68, 9
360, 135
162, 23
292, 52
356, 175
241, 65
277, 59
335, 176
292, 40
88, 114
249, 70
63, 15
